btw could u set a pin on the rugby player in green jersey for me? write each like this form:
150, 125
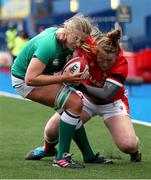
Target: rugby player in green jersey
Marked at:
35, 76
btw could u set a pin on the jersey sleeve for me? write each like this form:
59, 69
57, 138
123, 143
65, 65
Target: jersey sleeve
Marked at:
119, 72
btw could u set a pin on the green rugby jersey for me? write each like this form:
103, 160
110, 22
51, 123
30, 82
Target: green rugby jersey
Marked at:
47, 49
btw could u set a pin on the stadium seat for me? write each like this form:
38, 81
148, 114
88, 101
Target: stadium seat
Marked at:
134, 77
144, 64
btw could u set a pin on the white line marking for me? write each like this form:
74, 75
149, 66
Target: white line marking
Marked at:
2, 93
141, 122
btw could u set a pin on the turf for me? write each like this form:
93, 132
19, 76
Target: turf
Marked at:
21, 129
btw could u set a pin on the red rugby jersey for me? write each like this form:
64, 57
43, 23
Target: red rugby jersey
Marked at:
98, 77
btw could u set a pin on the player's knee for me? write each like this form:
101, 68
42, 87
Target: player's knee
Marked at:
50, 136
75, 104
51, 132
129, 146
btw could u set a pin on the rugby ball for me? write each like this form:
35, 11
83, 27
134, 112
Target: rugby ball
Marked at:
77, 65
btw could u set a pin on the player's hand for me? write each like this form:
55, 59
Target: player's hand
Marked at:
73, 79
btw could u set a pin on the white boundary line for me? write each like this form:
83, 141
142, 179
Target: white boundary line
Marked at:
2, 93
141, 122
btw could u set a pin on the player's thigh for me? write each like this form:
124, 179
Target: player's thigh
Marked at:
74, 103
58, 96
45, 94
122, 129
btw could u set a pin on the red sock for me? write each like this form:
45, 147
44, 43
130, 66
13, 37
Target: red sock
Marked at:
48, 147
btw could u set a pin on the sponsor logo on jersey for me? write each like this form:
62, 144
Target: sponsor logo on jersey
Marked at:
94, 81
56, 62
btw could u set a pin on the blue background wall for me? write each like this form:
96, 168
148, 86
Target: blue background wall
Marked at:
138, 31
140, 10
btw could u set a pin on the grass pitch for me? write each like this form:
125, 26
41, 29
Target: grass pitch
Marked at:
21, 129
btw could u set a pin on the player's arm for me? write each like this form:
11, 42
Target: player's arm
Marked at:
111, 87
107, 92
35, 77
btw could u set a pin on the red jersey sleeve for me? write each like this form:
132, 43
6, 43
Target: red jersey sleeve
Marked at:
121, 67
119, 71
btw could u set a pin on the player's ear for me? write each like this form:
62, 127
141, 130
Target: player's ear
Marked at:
61, 35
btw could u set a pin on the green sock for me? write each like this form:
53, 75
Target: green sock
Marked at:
66, 132
81, 140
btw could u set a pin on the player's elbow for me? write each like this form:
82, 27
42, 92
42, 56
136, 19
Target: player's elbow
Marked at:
29, 80
106, 96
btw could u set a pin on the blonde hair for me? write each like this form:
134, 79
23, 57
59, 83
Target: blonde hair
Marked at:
80, 23
87, 47
109, 42
96, 33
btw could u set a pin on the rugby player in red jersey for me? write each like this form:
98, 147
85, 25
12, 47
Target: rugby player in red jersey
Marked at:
104, 94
